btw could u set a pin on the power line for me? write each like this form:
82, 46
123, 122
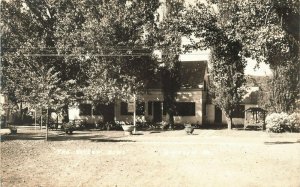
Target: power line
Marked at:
96, 55
90, 55
102, 47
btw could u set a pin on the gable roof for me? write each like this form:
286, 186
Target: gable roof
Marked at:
192, 75
259, 81
251, 96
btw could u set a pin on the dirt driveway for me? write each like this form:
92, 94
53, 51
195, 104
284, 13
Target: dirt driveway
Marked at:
169, 158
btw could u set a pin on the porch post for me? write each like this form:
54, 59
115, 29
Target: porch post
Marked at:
35, 119
134, 114
47, 121
41, 118
162, 110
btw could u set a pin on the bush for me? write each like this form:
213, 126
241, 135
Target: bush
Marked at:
282, 122
295, 120
69, 127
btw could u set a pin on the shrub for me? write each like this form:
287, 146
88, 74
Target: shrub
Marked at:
69, 127
282, 122
295, 120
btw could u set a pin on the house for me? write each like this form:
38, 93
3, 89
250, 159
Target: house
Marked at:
250, 99
90, 112
190, 99
192, 102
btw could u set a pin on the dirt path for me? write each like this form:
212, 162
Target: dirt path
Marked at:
101, 158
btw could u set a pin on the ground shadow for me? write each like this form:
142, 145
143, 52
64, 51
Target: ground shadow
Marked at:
248, 128
63, 137
67, 137
22, 136
212, 127
153, 132
111, 140
137, 134
281, 142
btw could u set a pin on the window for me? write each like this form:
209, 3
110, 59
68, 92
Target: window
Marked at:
239, 112
140, 108
85, 109
185, 109
99, 108
124, 109
164, 108
150, 107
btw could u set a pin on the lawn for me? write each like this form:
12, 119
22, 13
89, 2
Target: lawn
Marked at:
152, 158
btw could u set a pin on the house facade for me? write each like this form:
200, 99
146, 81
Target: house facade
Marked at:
190, 99
192, 102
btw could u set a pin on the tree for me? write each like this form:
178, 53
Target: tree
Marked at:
117, 48
213, 26
29, 43
99, 48
169, 33
270, 31
264, 30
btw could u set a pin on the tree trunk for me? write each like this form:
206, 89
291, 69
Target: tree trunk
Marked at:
21, 113
170, 118
229, 121
65, 113
47, 121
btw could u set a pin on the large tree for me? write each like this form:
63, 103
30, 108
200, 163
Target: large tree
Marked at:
96, 47
29, 47
117, 47
213, 27
168, 39
270, 31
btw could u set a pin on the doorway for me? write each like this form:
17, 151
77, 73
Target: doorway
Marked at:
218, 116
157, 112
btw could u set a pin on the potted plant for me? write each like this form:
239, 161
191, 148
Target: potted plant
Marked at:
188, 128
126, 126
69, 127
13, 129
164, 125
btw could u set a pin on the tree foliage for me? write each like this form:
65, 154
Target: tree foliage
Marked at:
168, 38
214, 27
270, 31
267, 31
98, 48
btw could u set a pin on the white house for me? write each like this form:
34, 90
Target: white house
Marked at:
190, 99
192, 102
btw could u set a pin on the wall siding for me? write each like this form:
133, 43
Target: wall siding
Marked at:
195, 96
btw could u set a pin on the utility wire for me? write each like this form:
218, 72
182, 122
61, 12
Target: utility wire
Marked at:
95, 55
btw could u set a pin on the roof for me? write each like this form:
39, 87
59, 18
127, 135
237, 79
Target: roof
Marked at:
255, 109
192, 75
259, 81
254, 84
251, 96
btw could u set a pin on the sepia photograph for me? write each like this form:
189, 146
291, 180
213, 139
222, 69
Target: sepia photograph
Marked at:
150, 93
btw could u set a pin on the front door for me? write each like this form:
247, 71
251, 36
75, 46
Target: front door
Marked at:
107, 111
218, 116
157, 112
